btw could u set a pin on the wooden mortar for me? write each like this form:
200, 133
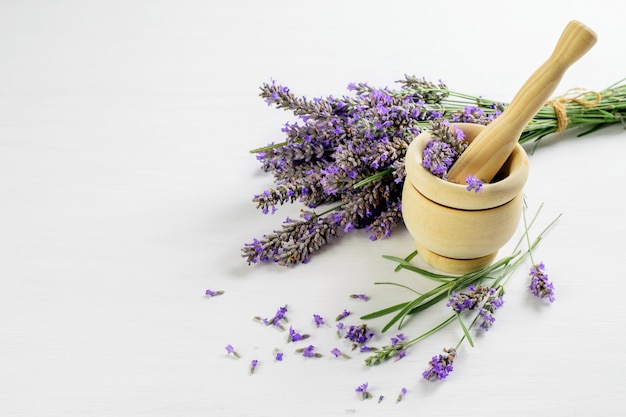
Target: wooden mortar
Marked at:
455, 230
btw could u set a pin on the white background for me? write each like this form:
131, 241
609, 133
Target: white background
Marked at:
126, 187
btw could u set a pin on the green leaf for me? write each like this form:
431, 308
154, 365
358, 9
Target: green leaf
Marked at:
467, 334
398, 285
373, 178
383, 312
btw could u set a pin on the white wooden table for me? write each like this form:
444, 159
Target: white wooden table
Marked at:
126, 187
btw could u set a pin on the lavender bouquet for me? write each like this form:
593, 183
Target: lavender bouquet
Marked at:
344, 156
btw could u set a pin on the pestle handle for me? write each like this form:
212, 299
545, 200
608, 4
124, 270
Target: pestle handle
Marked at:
489, 151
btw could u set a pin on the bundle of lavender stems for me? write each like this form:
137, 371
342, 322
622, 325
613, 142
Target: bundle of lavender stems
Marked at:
342, 158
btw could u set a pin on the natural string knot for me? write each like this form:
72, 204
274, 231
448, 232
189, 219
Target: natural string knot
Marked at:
573, 95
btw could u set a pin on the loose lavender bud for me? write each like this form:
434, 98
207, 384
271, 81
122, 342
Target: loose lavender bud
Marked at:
340, 327
318, 320
339, 354
253, 366
401, 395
441, 365
360, 297
277, 320
362, 390
540, 286
210, 293
381, 398
231, 350
295, 336
473, 183
278, 355
308, 352
342, 315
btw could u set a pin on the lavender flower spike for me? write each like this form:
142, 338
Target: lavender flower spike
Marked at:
540, 286
441, 365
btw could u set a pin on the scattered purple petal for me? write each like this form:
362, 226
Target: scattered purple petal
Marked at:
401, 395
295, 336
340, 327
211, 293
230, 350
318, 320
308, 352
342, 315
362, 389
473, 183
360, 297
253, 366
339, 354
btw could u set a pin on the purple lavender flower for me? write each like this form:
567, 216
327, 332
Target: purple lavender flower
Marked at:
230, 350
342, 315
253, 366
473, 183
308, 352
360, 297
340, 327
336, 143
339, 354
401, 394
318, 320
277, 320
440, 365
359, 335
362, 390
397, 339
540, 286
295, 336
485, 314
460, 301
278, 355
210, 293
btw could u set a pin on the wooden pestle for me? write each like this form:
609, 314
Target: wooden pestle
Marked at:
488, 152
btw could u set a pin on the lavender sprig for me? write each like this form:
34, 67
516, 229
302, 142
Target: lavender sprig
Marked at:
540, 286
464, 294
